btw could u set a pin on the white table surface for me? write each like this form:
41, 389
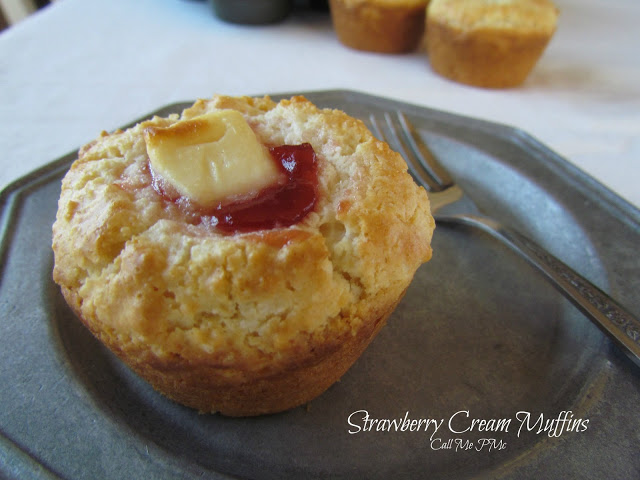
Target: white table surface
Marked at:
80, 66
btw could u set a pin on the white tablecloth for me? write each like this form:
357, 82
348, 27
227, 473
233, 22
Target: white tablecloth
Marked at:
81, 66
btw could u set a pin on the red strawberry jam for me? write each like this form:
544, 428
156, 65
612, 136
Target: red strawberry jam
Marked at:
280, 205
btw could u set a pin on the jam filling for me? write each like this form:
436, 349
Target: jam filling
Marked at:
276, 206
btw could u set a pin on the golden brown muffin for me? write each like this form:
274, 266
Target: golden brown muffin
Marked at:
242, 323
488, 43
385, 26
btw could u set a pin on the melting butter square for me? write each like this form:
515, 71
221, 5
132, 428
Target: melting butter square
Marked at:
211, 159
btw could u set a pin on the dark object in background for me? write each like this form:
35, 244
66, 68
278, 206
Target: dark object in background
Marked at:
258, 12
322, 5
253, 12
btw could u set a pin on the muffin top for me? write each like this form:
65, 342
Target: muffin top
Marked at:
526, 16
151, 276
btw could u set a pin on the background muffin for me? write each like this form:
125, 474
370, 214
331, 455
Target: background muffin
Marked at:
488, 43
248, 322
386, 26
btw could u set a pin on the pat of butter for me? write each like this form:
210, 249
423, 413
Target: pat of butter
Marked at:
212, 158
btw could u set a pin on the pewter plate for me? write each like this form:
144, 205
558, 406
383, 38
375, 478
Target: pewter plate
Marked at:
479, 336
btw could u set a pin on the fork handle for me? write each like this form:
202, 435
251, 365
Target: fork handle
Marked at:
599, 307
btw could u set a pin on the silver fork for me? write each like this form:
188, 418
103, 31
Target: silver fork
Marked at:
450, 204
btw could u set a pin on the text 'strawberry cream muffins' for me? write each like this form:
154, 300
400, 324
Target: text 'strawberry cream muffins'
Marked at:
239, 256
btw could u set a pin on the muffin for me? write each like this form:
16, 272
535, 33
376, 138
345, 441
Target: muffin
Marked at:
385, 26
257, 297
488, 43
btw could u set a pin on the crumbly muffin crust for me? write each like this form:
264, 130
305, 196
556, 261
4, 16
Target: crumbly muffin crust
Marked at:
241, 323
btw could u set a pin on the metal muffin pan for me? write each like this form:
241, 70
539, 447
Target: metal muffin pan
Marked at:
478, 331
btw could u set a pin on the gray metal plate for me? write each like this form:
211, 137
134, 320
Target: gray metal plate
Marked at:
478, 331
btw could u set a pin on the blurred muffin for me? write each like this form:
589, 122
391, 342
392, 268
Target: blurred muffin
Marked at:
385, 26
242, 320
488, 43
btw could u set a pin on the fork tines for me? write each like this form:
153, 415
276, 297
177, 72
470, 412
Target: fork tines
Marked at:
399, 133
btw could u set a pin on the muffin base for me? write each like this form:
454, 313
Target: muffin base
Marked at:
378, 28
232, 392
483, 58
